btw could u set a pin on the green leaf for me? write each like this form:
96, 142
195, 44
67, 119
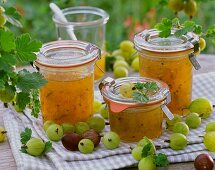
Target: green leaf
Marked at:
161, 160
22, 99
26, 135
23, 149
48, 147
189, 25
109, 62
27, 81
6, 41
7, 61
146, 149
151, 86
26, 48
4, 76
197, 29
164, 27
210, 33
12, 12
163, 2
2, 84
139, 96
35, 103
180, 32
139, 85
176, 23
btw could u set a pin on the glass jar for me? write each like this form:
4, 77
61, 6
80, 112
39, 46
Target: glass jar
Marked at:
169, 60
68, 67
87, 24
131, 119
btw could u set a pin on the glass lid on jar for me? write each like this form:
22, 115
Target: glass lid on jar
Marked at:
134, 90
67, 53
149, 40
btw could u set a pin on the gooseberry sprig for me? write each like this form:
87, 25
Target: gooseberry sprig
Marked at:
166, 25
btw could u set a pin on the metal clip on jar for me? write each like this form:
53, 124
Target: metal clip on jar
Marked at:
131, 119
170, 60
68, 67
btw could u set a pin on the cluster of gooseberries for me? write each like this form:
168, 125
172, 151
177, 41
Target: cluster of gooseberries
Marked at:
188, 6
3, 133
83, 136
199, 108
125, 56
145, 153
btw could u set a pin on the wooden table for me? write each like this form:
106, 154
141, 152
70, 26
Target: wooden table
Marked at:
7, 161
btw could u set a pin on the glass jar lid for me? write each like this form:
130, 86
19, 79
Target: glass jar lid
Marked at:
110, 90
150, 41
67, 53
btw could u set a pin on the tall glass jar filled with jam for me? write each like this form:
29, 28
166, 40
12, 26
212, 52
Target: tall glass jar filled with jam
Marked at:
87, 24
171, 60
68, 67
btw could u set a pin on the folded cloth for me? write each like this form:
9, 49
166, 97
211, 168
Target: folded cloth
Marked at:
101, 158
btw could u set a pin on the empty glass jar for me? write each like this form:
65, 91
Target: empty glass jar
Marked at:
87, 24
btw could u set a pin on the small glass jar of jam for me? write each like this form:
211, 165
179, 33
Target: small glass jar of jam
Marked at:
68, 67
132, 119
170, 60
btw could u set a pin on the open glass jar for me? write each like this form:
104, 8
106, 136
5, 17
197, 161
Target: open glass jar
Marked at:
132, 119
86, 24
68, 68
170, 60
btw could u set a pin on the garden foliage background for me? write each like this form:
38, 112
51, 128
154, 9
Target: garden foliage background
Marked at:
127, 17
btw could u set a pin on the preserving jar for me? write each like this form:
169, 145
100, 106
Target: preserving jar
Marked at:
132, 119
169, 60
87, 24
68, 67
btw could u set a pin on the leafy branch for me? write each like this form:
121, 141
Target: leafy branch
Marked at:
166, 25
19, 88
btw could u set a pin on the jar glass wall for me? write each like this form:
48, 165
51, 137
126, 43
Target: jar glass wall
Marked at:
86, 24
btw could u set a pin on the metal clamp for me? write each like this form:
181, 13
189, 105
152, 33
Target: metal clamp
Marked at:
106, 81
167, 93
91, 48
167, 112
195, 63
192, 56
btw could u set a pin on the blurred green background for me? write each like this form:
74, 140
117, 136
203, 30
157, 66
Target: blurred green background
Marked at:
131, 16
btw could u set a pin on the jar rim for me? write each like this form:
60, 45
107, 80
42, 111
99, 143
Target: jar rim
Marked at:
109, 92
104, 16
67, 54
150, 41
